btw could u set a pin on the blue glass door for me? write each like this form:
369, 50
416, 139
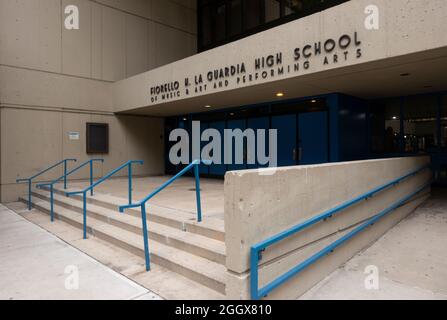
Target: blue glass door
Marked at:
313, 138
287, 139
262, 123
219, 169
204, 169
236, 124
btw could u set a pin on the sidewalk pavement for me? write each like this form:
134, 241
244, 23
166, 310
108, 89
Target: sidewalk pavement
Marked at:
34, 264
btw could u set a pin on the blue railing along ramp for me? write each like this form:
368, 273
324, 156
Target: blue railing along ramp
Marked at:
311, 219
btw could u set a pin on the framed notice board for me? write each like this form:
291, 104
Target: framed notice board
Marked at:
97, 138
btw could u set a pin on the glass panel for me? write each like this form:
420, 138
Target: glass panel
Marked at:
272, 10
444, 122
252, 13
206, 25
385, 127
236, 17
442, 173
293, 6
220, 22
420, 126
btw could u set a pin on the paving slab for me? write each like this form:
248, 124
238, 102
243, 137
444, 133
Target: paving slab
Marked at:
35, 264
182, 190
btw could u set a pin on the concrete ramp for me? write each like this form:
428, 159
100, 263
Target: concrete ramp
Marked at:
260, 204
408, 262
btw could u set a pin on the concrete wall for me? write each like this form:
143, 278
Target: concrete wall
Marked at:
116, 39
260, 206
32, 139
54, 80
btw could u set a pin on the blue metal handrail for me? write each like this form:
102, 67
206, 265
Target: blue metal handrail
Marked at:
194, 165
30, 180
51, 184
128, 164
257, 249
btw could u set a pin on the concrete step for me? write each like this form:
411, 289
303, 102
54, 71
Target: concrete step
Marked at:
210, 227
198, 269
166, 283
199, 245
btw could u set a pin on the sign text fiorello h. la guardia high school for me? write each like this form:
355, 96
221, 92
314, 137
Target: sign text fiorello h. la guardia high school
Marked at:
329, 52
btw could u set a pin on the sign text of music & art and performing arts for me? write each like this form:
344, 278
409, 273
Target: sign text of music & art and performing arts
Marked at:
331, 51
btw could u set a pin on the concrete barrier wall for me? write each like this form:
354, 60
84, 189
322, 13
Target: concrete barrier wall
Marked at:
259, 206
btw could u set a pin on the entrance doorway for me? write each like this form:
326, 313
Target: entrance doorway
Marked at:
302, 138
313, 138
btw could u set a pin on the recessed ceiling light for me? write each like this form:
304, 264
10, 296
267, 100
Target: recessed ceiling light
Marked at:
404, 74
313, 101
232, 114
207, 106
280, 94
185, 119
394, 118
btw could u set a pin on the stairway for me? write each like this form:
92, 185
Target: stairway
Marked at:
176, 241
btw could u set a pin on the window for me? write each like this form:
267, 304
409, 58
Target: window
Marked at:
444, 122
205, 25
385, 127
97, 138
293, 6
272, 10
223, 21
235, 24
253, 16
420, 124
220, 22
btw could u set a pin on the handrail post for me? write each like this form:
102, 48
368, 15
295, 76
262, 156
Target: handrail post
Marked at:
84, 212
91, 176
52, 202
130, 182
146, 244
65, 174
199, 206
254, 256
29, 195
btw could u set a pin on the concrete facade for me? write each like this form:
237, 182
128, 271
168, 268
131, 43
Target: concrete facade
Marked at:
116, 38
54, 80
399, 45
260, 206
